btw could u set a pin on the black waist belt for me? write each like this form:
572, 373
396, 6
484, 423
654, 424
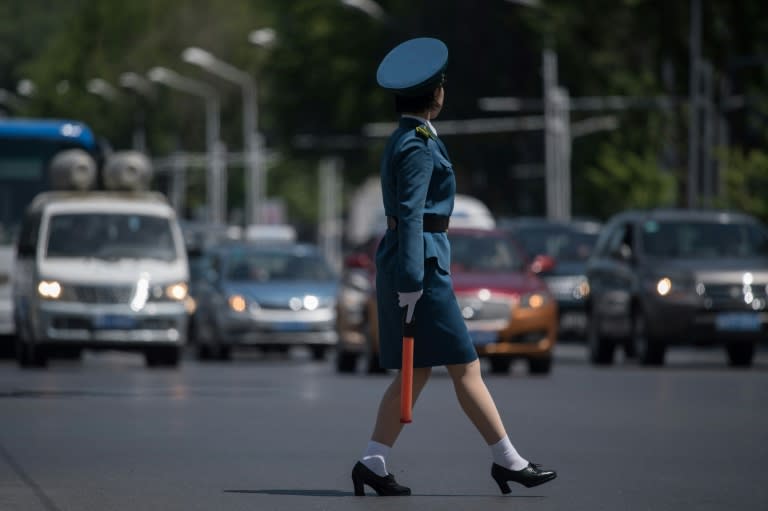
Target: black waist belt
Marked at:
432, 223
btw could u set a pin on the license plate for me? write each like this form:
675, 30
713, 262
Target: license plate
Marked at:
290, 326
484, 336
573, 320
737, 322
114, 322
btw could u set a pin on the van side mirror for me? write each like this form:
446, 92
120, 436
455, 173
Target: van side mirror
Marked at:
542, 264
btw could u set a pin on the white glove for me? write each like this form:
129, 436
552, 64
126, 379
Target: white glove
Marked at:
409, 300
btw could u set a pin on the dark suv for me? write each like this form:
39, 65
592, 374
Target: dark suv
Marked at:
665, 277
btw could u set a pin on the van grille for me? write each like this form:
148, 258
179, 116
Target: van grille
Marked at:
97, 294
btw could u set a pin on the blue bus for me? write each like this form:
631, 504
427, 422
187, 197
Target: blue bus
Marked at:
26, 148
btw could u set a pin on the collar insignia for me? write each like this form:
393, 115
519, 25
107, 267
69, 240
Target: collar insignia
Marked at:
423, 132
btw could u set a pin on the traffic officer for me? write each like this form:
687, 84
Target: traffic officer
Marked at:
413, 264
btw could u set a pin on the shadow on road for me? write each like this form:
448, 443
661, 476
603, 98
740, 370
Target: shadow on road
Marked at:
298, 493
337, 493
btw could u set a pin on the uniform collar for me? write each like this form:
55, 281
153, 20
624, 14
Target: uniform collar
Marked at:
422, 120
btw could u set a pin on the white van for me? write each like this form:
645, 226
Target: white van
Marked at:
100, 270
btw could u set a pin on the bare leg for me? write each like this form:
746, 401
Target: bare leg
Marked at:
388, 425
476, 401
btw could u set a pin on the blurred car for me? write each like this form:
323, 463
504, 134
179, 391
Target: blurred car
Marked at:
569, 244
508, 310
264, 296
665, 277
199, 237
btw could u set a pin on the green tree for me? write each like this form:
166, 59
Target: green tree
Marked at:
621, 179
746, 181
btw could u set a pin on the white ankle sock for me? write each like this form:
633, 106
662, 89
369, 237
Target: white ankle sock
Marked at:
505, 454
375, 458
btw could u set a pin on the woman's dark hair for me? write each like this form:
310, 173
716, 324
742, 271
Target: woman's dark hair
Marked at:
412, 104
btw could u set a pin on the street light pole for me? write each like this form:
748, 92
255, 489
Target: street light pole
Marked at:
255, 191
102, 88
143, 89
216, 174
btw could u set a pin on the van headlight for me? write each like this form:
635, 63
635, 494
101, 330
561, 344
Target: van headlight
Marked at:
176, 292
49, 289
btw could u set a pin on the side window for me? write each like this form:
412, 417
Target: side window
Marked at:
30, 228
621, 242
603, 240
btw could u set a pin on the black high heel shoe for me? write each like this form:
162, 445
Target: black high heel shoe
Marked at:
383, 486
530, 476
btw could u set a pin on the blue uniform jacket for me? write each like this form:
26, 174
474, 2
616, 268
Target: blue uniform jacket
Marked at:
416, 179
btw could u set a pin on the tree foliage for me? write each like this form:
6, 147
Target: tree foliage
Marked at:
317, 88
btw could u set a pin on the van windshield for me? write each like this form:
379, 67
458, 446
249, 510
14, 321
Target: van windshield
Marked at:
110, 236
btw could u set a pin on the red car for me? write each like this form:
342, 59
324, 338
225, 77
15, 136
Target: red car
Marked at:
508, 309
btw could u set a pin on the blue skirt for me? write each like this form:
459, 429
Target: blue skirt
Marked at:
441, 336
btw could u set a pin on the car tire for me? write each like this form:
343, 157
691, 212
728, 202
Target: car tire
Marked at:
318, 352
601, 348
374, 364
29, 354
224, 352
500, 364
204, 352
165, 356
540, 365
346, 362
650, 351
740, 354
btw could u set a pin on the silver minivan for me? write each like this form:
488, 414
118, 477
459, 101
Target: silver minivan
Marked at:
100, 270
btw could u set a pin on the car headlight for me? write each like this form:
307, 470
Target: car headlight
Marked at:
667, 286
237, 303
177, 291
581, 290
533, 300
50, 289
664, 286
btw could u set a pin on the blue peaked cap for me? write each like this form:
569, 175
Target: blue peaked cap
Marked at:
414, 66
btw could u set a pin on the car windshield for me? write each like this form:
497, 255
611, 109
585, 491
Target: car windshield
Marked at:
484, 253
560, 243
110, 236
703, 240
277, 266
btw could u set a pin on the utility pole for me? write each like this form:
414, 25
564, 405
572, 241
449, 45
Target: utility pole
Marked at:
329, 228
694, 129
551, 160
708, 134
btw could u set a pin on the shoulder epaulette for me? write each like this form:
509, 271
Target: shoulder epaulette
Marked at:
423, 132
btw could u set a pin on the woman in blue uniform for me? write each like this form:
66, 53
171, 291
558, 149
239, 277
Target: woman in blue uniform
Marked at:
413, 272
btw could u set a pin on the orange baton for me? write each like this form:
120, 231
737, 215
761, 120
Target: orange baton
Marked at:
406, 373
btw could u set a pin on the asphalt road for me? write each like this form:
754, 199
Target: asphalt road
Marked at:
282, 434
